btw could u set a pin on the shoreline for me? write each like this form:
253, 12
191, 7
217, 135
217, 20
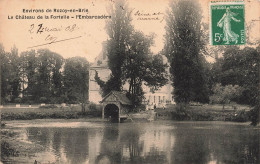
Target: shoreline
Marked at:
36, 122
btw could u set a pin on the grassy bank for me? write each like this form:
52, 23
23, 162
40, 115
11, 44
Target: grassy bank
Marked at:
194, 113
205, 113
13, 148
52, 112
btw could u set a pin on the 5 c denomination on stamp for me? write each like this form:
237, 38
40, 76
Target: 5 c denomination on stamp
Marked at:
227, 23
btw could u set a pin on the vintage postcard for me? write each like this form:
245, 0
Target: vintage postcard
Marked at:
128, 81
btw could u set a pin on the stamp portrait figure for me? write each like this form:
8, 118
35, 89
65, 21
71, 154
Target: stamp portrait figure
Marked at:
225, 23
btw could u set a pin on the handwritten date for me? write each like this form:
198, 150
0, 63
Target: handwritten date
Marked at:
43, 29
50, 32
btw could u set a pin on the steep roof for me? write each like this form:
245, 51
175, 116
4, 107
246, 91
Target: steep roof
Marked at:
120, 96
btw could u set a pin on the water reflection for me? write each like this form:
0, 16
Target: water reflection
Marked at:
67, 144
216, 144
164, 142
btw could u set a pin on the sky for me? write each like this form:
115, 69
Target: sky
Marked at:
84, 37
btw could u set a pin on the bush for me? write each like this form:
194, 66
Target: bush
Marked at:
224, 94
53, 100
7, 150
254, 115
63, 99
94, 107
53, 115
201, 116
18, 100
25, 99
49, 106
43, 100
181, 113
241, 116
139, 108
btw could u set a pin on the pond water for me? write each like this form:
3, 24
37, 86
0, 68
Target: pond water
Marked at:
158, 142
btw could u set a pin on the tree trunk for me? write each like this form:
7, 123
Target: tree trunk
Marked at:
83, 107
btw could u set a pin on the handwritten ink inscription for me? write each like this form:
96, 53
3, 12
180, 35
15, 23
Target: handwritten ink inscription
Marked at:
142, 15
49, 33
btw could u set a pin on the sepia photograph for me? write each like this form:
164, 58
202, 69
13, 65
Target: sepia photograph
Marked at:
130, 82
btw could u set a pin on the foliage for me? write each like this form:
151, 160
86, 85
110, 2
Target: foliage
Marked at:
49, 73
255, 115
129, 57
140, 67
18, 100
94, 107
225, 94
10, 85
106, 87
28, 65
48, 106
40, 74
183, 47
119, 30
76, 80
38, 77
241, 116
43, 100
239, 67
53, 115
7, 150
255, 112
182, 112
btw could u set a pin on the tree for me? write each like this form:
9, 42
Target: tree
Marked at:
14, 73
76, 80
119, 30
3, 60
255, 119
106, 86
40, 76
10, 81
28, 65
240, 67
142, 68
49, 75
129, 57
225, 94
183, 45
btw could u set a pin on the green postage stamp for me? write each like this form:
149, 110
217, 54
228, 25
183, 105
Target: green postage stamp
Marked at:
227, 23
